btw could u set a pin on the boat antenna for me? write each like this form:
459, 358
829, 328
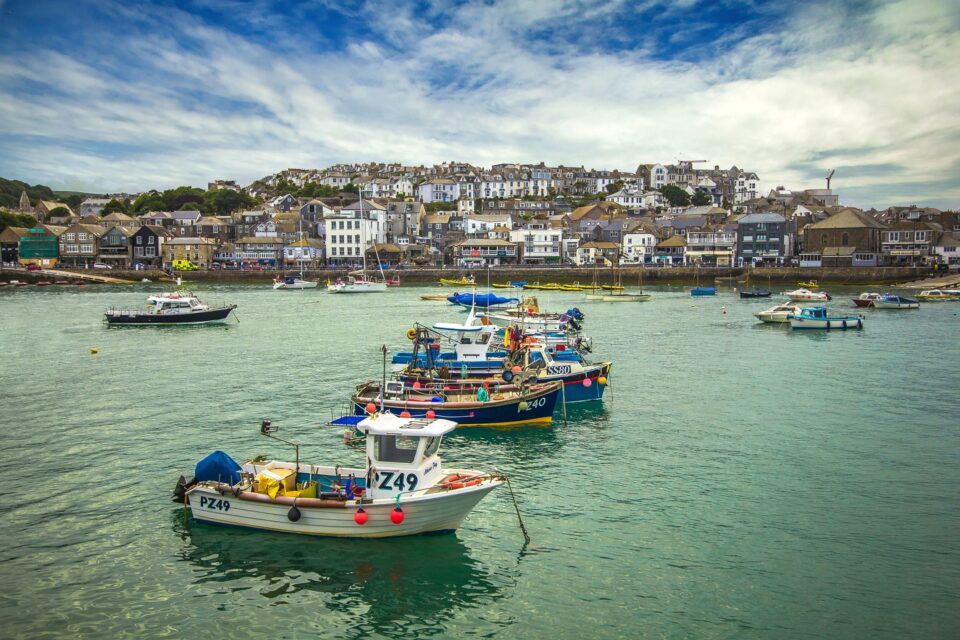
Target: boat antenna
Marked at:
383, 387
268, 429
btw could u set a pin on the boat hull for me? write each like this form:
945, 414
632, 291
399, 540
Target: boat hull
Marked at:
754, 294
357, 287
703, 291
442, 512
828, 324
494, 413
863, 303
208, 316
305, 284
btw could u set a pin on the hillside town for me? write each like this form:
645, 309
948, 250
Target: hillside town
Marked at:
461, 215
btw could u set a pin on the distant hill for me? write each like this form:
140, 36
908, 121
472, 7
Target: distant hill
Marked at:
10, 191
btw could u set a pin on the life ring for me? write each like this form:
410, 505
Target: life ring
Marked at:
411, 334
456, 485
473, 483
498, 396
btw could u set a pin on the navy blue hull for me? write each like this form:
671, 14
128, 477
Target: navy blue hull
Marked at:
199, 317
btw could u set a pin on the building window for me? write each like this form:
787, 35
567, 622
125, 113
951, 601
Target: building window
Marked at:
845, 239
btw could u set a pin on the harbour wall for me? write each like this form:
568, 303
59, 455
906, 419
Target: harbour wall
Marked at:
629, 276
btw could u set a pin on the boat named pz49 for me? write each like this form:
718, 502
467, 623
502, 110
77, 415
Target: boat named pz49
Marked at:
404, 489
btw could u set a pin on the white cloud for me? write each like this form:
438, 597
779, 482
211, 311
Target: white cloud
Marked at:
821, 93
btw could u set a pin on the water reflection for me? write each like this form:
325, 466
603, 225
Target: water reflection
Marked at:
398, 583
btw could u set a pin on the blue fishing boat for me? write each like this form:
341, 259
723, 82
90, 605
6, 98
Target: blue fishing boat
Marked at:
527, 405
481, 300
703, 291
583, 381
817, 318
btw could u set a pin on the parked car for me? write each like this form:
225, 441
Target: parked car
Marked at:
101, 265
33, 267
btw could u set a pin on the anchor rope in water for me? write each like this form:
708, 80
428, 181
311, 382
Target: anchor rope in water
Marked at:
526, 536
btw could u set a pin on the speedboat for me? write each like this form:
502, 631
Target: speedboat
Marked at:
778, 313
526, 405
293, 282
936, 295
892, 301
817, 318
465, 281
404, 489
802, 294
170, 308
866, 299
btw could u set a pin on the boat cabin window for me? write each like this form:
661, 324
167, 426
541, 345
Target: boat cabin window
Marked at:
395, 448
433, 444
483, 338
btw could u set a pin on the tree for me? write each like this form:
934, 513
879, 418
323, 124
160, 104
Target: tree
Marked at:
613, 187
59, 212
701, 198
176, 199
114, 206
223, 201
73, 201
351, 188
12, 219
676, 196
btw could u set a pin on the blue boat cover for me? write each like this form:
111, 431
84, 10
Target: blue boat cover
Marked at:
480, 300
347, 421
218, 466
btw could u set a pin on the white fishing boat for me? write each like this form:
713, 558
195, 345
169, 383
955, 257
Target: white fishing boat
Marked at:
817, 318
358, 281
778, 313
805, 295
892, 301
404, 489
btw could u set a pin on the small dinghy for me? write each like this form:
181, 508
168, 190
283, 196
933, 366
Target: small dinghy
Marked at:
892, 301
404, 489
755, 293
802, 295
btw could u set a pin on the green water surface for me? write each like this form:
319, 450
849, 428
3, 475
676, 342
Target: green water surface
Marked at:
739, 480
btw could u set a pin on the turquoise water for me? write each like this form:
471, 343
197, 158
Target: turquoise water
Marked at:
740, 480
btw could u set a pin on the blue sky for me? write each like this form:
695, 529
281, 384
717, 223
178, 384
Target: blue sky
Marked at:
109, 95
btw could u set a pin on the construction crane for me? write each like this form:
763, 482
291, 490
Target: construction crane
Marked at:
830, 175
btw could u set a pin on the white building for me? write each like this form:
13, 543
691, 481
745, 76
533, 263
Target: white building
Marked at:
353, 230
540, 243
638, 246
438, 190
479, 225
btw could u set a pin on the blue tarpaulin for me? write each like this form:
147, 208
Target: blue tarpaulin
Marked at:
218, 466
348, 421
480, 300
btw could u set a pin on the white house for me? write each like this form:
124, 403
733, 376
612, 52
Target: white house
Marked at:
438, 190
540, 242
353, 230
746, 187
638, 246
479, 225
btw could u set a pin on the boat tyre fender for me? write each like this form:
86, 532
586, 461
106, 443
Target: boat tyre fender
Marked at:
844, 324
411, 334
859, 323
294, 514
507, 376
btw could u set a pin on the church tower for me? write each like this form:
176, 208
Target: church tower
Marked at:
25, 203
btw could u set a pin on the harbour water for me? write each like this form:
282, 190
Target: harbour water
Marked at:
739, 480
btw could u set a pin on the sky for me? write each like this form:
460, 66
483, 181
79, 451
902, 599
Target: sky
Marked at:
113, 95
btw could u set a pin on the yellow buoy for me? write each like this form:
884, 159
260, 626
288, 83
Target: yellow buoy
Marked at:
93, 350
602, 380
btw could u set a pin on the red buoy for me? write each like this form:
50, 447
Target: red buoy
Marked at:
397, 515
371, 407
417, 385
431, 414
361, 516
587, 382
404, 414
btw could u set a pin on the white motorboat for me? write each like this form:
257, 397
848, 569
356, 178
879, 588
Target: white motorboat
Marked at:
892, 301
293, 282
936, 295
804, 295
778, 313
404, 489
178, 307
867, 298
817, 318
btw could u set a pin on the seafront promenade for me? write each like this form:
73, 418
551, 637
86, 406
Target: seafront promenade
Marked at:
628, 275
